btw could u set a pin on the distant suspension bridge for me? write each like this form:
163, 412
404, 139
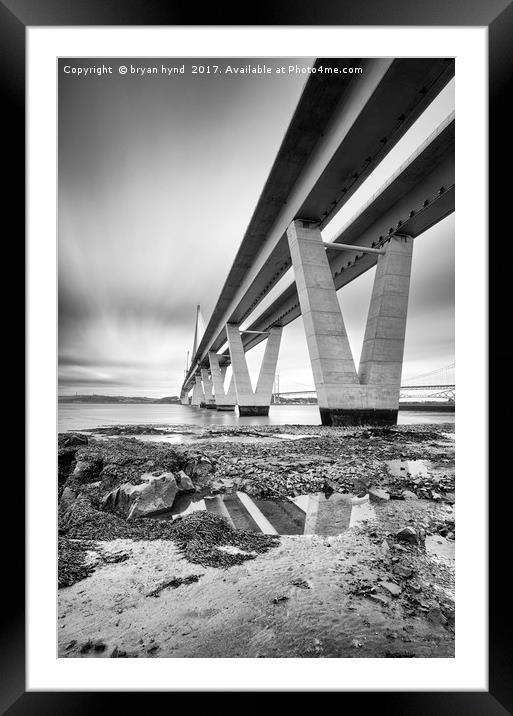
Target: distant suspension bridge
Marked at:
437, 384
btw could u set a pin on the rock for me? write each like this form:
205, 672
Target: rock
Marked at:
155, 494
378, 495
200, 470
301, 583
87, 471
67, 499
409, 495
448, 613
380, 599
416, 587
435, 616
402, 571
281, 598
407, 534
72, 440
361, 484
184, 482
394, 589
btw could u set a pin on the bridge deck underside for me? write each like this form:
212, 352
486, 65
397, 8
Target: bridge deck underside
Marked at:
328, 151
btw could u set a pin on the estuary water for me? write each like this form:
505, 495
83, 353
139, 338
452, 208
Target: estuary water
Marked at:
76, 416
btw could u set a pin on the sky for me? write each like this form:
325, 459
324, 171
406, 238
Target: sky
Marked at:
158, 178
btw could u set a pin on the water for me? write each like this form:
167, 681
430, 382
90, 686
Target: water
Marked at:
316, 513
76, 416
411, 468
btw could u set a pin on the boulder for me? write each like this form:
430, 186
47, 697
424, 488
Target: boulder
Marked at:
155, 494
409, 495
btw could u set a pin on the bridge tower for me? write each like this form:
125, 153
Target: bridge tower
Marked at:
344, 396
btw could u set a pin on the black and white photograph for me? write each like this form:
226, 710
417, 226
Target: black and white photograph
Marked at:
264, 310
256, 357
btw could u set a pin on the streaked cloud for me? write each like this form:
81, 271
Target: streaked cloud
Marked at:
158, 178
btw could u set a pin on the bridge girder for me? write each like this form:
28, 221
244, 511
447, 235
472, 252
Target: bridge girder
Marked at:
409, 203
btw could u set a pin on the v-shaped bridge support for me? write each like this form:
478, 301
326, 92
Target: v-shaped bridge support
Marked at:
208, 389
345, 397
224, 399
198, 396
253, 402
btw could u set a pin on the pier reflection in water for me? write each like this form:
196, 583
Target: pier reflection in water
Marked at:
316, 513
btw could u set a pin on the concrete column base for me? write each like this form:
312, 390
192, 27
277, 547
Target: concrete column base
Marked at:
341, 416
225, 407
250, 410
210, 406
203, 405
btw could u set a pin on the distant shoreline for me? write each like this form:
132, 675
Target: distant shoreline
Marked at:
174, 400
115, 399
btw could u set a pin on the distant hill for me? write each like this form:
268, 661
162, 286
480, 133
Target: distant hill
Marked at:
115, 399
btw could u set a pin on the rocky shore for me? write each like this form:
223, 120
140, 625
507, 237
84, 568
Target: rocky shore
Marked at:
137, 578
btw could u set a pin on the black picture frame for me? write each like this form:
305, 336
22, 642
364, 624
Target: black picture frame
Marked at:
497, 15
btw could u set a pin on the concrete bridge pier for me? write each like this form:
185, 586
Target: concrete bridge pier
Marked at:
224, 400
210, 402
249, 401
198, 396
344, 397
381, 362
184, 397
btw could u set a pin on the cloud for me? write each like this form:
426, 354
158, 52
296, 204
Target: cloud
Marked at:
157, 181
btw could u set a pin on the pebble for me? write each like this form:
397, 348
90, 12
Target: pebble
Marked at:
279, 599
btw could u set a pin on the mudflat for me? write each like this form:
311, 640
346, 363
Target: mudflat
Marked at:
368, 571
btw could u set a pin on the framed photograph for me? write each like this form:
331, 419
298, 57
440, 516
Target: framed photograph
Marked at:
256, 268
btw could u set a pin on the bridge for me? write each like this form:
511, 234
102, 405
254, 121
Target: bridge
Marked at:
342, 128
432, 385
